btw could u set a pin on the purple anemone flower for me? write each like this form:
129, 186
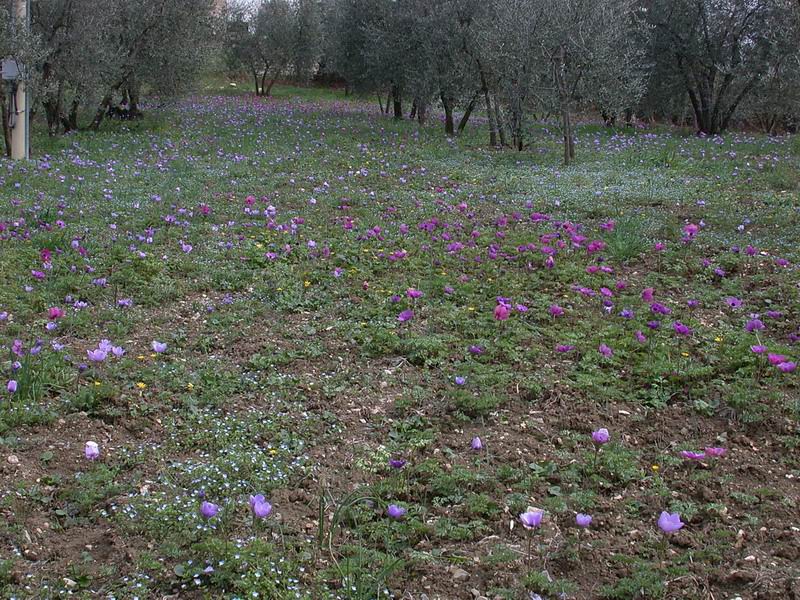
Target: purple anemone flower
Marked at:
582, 520
406, 315
396, 512
669, 522
601, 436
531, 519
208, 510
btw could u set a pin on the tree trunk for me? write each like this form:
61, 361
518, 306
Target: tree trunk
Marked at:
413, 112
268, 91
467, 113
101, 112
489, 112
422, 112
449, 126
133, 100
380, 102
264, 91
398, 103
501, 129
563, 96
255, 81
4, 118
70, 121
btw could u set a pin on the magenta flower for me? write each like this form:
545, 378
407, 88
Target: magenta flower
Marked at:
715, 452
608, 225
412, 293
681, 329
406, 315
531, 519
758, 349
669, 522
208, 510
640, 337
690, 230
582, 520
564, 348
395, 511
91, 451
647, 294
776, 359
754, 325
660, 309
556, 310
501, 312
691, 455
733, 302
601, 436
54, 313
787, 367
605, 350
159, 347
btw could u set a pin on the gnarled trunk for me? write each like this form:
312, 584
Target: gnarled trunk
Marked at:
397, 102
468, 112
449, 126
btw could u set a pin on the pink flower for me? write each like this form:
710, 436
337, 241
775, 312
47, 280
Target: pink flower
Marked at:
556, 310
54, 313
715, 452
776, 359
690, 455
787, 367
647, 294
501, 312
605, 350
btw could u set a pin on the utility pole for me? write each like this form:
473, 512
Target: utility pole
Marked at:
20, 135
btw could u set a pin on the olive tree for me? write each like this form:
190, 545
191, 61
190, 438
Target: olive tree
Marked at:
721, 50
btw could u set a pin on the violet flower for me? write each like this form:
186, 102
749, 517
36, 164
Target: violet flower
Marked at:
405, 315
601, 436
395, 511
208, 510
669, 522
583, 521
91, 451
259, 506
531, 519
